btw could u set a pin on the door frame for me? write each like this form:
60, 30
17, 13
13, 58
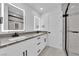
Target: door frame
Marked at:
65, 41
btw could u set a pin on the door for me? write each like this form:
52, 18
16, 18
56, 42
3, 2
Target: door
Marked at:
44, 22
73, 29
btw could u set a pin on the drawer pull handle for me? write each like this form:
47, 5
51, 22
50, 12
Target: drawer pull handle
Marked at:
45, 40
38, 50
38, 43
26, 52
74, 31
38, 38
23, 53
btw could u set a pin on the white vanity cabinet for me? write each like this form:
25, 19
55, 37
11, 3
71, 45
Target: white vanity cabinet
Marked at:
17, 49
13, 50
36, 45
30, 47
42, 45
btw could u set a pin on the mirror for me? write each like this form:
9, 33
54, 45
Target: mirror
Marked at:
36, 23
13, 18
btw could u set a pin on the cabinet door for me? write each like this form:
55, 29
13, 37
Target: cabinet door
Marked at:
28, 47
44, 39
16, 49
41, 43
25, 46
32, 50
12, 50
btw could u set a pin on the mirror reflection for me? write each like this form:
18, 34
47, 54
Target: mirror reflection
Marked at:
13, 17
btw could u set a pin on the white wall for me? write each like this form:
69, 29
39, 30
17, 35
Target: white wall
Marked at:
0, 9
44, 22
55, 27
0, 16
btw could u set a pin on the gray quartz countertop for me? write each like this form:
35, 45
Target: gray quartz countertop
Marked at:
5, 41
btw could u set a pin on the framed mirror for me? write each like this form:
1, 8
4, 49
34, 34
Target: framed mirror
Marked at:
36, 23
13, 18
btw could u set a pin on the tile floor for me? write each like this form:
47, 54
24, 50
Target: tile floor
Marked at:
50, 51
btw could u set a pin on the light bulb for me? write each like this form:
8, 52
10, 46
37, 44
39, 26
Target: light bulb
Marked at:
41, 8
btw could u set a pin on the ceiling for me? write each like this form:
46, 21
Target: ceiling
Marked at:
46, 7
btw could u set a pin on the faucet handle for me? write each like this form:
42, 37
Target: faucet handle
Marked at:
15, 35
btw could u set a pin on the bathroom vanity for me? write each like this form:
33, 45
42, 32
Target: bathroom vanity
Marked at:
22, 44
26, 45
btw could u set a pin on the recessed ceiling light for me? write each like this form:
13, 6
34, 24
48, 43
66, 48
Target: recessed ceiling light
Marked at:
41, 8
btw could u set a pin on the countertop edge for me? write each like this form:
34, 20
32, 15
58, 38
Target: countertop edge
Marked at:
20, 41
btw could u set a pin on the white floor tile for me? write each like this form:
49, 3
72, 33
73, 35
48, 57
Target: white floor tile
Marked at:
50, 51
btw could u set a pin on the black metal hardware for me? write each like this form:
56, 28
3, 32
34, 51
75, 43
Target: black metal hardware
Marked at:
26, 52
38, 31
49, 32
38, 38
44, 39
23, 53
38, 50
74, 31
66, 15
15, 35
38, 43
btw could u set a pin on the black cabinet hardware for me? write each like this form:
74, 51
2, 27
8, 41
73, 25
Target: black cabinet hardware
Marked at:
15, 35
38, 38
66, 19
44, 39
74, 31
39, 43
23, 53
49, 32
26, 52
38, 50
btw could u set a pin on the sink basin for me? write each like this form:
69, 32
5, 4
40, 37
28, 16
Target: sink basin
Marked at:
17, 38
23, 37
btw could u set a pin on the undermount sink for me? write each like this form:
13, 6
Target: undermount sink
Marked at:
22, 37
17, 38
